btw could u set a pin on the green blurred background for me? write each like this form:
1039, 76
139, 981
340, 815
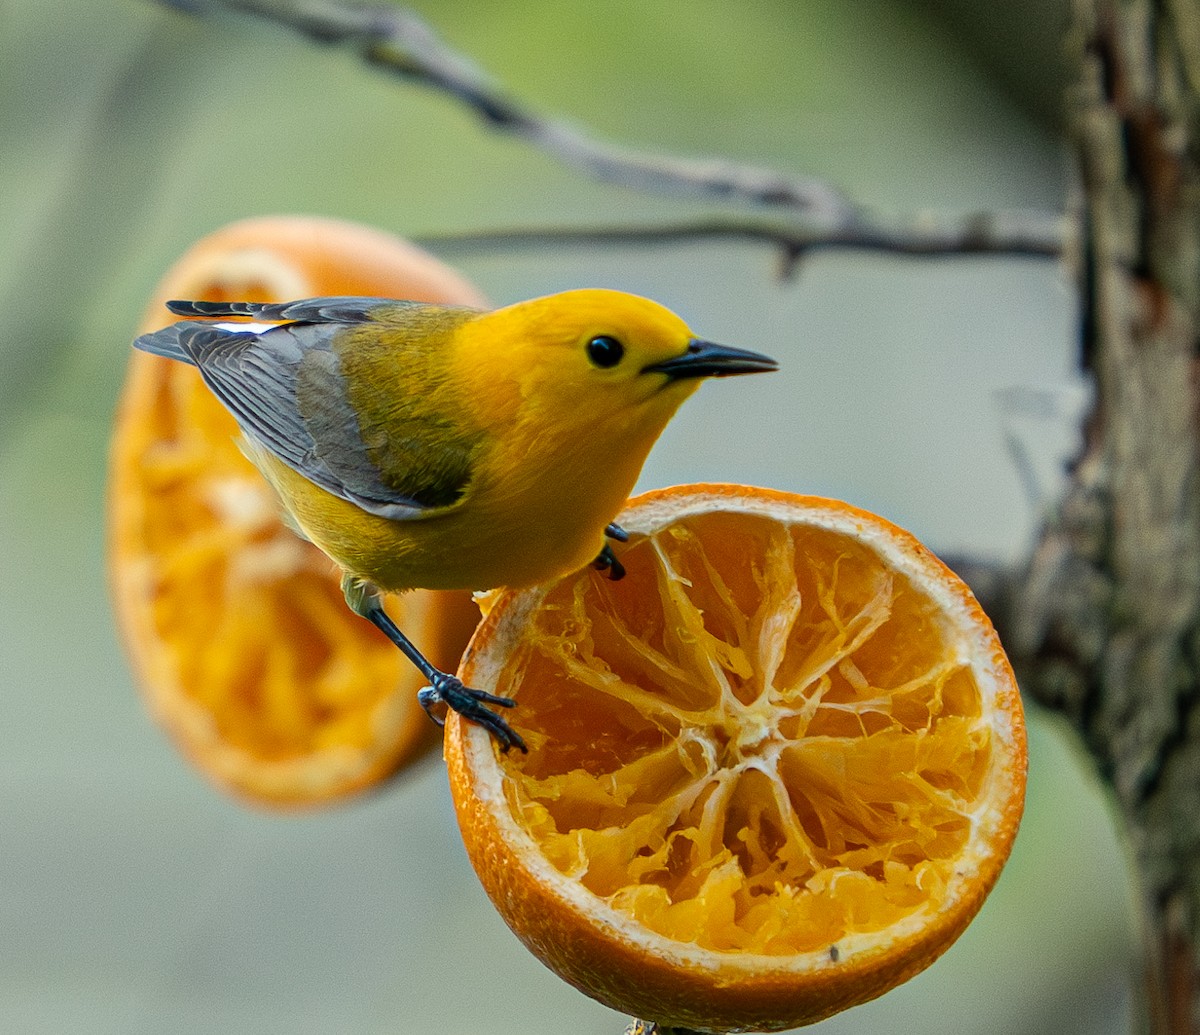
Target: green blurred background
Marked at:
135, 899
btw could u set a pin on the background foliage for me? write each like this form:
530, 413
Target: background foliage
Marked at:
132, 897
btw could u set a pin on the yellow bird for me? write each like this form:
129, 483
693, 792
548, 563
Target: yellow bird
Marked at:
445, 447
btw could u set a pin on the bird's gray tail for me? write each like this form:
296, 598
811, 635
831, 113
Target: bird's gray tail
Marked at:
169, 341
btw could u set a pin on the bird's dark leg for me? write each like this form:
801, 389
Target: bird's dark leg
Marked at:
364, 599
607, 561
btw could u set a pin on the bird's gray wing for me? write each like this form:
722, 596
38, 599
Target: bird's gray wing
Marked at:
255, 373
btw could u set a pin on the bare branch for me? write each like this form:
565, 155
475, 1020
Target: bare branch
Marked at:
1033, 234
398, 42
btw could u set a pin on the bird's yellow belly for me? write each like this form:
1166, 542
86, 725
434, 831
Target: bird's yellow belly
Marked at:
518, 524
479, 546
455, 550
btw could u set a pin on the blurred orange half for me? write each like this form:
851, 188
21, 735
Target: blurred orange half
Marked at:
236, 628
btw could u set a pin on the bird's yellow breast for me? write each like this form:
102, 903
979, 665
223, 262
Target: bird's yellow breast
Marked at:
536, 507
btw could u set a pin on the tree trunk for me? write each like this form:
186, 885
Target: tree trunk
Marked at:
1107, 622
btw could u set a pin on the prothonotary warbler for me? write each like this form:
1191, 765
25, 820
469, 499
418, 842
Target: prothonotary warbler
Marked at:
447, 447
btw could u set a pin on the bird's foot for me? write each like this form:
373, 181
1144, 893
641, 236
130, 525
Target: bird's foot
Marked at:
615, 531
607, 561
449, 691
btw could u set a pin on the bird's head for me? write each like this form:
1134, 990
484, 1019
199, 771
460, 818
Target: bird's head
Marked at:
592, 355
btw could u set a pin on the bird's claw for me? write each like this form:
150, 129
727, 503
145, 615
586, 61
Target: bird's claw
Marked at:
449, 691
615, 531
607, 561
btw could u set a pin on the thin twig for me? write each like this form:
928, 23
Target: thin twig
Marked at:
1033, 234
399, 43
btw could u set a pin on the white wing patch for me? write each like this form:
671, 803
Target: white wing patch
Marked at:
246, 328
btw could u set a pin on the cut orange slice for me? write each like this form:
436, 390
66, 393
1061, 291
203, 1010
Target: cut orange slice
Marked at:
772, 773
236, 627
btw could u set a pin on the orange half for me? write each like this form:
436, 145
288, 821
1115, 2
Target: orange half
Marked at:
237, 630
772, 773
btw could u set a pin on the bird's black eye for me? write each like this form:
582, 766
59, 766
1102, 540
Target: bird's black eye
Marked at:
604, 351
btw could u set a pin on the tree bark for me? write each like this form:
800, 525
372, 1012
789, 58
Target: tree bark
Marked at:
1106, 624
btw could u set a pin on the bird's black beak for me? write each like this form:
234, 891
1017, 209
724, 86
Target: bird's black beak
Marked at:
707, 359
